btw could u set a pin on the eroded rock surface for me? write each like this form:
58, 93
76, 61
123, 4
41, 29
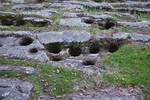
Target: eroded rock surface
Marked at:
15, 89
113, 93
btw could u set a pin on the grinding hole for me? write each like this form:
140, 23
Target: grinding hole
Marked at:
88, 62
113, 47
54, 47
33, 50
26, 41
94, 48
75, 51
109, 24
1, 45
88, 20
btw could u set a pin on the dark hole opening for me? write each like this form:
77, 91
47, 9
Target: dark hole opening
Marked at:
54, 47
26, 41
33, 50
1, 45
113, 48
89, 62
88, 20
75, 51
94, 48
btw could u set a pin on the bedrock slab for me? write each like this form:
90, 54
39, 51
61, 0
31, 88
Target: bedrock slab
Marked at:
67, 36
21, 69
112, 93
15, 89
15, 45
73, 22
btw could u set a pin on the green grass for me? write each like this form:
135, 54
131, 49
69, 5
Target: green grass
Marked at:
50, 80
131, 66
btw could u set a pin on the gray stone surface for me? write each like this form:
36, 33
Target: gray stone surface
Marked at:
22, 69
11, 47
15, 89
73, 22
112, 93
144, 24
132, 36
65, 36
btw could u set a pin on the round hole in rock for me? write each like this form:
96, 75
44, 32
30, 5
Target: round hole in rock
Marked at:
54, 47
109, 23
113, 48
88, 20
94, 48
88, 62
26, 41
33, 50
1, 45
75, 51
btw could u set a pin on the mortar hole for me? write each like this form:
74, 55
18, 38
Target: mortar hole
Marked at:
88, 20
33, 50
1, 45
113, 48
88, 62
26, 41
94, 48
75, 51
54, 47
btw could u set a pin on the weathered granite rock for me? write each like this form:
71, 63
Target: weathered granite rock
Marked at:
73, 22
22, 69
143, 24
22, 47
28, 6
132, 36
132, 4
67, 36
67, 6
15, 89
112, 93
43, 13
133, 10
92, 4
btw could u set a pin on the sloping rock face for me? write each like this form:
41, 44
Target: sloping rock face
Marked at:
15, 89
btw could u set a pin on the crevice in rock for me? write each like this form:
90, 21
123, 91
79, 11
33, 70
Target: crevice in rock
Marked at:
75, 50
88, 62
54, 47
26, 41
56, 58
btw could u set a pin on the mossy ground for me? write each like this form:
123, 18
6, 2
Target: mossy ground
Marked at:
57, 81
130, 67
